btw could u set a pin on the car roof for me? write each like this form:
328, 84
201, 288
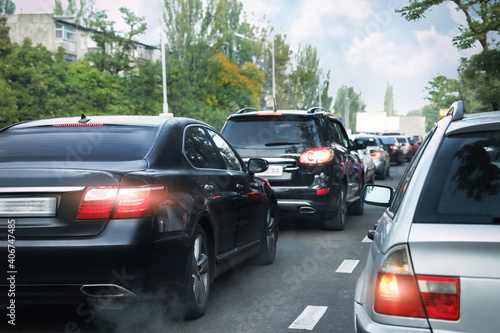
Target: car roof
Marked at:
250, 112
111, 120
475, 122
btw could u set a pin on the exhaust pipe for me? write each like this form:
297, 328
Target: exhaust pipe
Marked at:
106, 291
307, 210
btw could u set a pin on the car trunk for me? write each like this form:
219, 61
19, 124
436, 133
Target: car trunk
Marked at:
44, 202
449, 250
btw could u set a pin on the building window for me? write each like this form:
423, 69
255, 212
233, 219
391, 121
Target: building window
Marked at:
65, 32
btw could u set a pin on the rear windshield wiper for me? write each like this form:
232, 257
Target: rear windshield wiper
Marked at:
282, 143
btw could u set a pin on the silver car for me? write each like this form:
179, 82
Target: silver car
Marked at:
434, 263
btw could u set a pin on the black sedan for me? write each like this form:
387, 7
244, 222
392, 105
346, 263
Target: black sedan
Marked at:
112, 209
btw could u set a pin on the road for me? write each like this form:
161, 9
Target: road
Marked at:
248, 298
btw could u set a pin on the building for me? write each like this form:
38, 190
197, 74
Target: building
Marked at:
54, 31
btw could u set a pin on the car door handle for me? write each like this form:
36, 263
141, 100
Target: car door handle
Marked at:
240, 187
209, 188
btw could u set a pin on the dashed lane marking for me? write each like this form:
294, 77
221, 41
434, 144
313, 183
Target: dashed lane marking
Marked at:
347, 266
308, 318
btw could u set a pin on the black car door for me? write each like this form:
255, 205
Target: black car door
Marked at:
216, 186
251, 198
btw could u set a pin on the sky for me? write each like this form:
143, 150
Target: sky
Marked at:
363, 43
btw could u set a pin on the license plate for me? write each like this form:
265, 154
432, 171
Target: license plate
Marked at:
18, 207
272, 171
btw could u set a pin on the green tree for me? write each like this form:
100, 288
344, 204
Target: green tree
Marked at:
81, 9
389, 101
347, 104
5, 44
8, 105
482, 18
443, 91
7, 7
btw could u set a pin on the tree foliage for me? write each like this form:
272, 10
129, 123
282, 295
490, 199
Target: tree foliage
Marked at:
347, 103
7, 7
482, 18
389, 101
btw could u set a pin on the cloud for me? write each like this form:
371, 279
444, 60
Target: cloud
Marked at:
456, 15
329, 18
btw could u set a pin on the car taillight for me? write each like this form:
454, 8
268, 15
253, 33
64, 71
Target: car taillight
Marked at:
400, 293
317, 156
394, 147
120, 202
376, 154
441, 296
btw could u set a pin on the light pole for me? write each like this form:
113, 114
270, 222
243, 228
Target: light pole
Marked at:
272, 56
165, 112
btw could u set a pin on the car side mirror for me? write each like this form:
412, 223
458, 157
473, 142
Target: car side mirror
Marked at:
378, 195
257, 165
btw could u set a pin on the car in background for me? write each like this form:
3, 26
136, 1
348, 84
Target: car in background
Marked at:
406, 147
378, 153
416, 139
433, 264
113, 209
394, 148
314, 169
414, 143
392, 133
368, 164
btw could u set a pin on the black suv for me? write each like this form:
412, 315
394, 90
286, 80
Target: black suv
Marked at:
314, 168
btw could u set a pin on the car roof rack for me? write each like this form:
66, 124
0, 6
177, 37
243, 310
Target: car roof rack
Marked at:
317, 108
240, 111
456, 111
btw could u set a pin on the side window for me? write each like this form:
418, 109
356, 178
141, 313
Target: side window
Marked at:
228, 155
342, 139
199, 149
405, 181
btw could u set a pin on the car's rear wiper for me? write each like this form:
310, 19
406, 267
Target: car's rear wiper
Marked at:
283, 143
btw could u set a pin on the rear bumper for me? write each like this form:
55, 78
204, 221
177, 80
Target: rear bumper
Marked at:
127, 259
364, 324
305, 202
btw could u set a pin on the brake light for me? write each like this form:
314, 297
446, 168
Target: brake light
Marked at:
441, 296
323, 191
120, 202
78, 125
400, 293
317, 156
394, 147
376, 154
270, 114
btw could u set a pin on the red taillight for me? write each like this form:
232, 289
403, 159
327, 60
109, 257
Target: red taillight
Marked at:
317, 156
78, 125
120, 202
323, 191
400, 293
376, 154
394, 147
441, 296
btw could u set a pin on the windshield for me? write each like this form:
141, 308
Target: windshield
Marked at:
102, 143
260, 132
388, 140
464, 182
369, 141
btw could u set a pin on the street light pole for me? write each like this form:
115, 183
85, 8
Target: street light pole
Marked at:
272, 56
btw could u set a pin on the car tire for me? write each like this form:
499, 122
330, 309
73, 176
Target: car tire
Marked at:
338, 222
199, 277
269, 237
383, 174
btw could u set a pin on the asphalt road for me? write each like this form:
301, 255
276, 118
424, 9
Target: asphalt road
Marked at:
248, 298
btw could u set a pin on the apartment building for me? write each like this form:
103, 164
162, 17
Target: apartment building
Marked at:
54, 31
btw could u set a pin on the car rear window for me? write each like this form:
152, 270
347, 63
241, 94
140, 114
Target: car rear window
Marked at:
72, 143
388, 141
270, 131
463, 185
369, 141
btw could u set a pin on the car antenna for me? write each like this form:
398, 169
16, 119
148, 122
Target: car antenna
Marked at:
84, 119
275, 108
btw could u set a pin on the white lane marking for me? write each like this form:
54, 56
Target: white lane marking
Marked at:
308, 318
366, 240
347, 266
